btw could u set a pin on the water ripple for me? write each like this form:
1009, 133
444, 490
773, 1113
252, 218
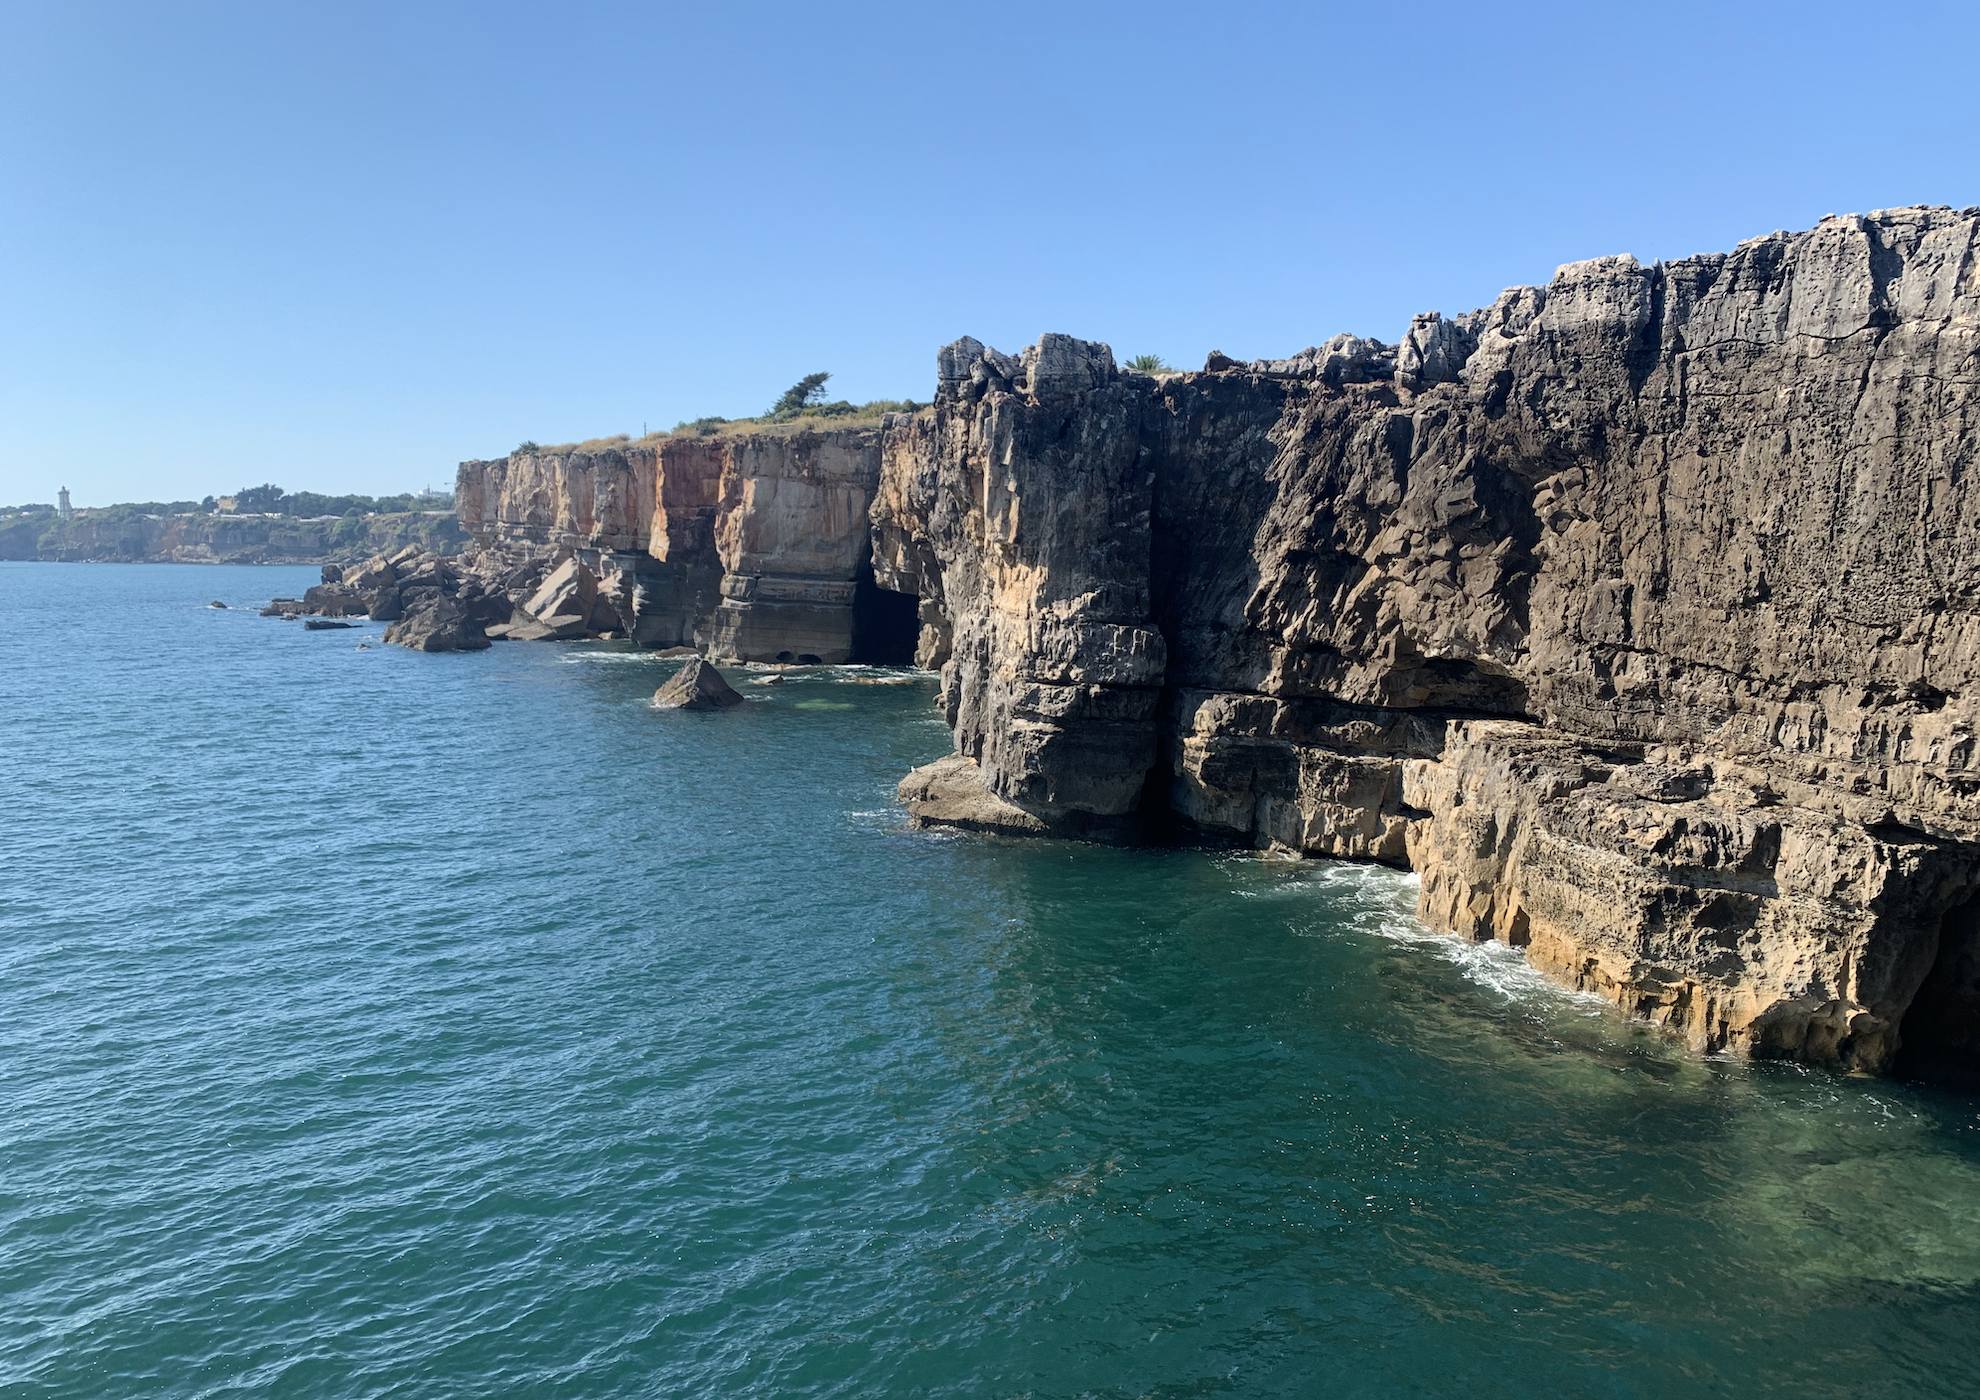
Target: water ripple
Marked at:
397, 1025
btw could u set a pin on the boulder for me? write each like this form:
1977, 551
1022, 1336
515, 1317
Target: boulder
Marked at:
375, 573
486, 608
696, 686
429, 571
676, 651
324, 624
334, 600
567, 599
216, 603
440, 625
522, 629
333, 573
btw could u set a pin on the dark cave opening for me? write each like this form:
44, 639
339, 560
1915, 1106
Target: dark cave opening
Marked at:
886, 624
1939, 1038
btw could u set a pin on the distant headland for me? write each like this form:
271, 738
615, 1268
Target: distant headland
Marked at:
256, 525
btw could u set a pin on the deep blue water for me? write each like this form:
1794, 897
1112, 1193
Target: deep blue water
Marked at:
382, 1024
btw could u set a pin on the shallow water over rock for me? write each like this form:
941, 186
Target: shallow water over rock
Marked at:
379, 1023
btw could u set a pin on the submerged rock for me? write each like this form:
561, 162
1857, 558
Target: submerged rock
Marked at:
216, 603
696, 686
323, 624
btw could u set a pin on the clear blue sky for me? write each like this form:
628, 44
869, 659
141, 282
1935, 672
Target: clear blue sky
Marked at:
342, 246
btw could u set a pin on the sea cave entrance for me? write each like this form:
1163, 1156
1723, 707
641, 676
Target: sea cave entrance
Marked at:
1939, 1038
886, 624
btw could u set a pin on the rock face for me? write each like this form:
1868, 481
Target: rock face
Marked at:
696, 686
1639, 612
747, 546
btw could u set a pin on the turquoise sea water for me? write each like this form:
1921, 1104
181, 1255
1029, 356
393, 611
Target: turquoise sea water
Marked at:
381, 1024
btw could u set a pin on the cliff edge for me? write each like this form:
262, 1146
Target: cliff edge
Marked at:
1639, 612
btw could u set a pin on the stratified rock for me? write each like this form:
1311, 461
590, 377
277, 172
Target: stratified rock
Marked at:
567, 600
696, 686
746, 547
522, 629
1640, 612
950, 792
1023, 504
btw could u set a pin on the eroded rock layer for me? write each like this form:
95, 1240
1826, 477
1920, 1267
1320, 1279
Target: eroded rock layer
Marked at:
1639, 612
750, 547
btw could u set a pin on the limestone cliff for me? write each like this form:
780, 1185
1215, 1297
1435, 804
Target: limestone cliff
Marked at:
1640, 612
749, 546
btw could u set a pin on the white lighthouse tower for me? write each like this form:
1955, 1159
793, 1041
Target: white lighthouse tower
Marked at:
62, 507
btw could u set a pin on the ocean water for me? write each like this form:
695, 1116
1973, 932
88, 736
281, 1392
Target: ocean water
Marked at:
380, 1024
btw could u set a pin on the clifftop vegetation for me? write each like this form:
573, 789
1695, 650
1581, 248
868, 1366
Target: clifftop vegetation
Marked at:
797, 408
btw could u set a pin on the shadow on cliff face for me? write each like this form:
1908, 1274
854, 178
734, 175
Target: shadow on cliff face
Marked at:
1940, 1035
885, 623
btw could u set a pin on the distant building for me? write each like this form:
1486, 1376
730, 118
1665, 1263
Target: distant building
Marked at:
225, 504
62, 506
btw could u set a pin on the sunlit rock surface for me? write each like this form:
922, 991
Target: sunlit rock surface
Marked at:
1640, 612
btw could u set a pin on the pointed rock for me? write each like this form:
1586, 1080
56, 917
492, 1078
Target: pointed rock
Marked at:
696, 686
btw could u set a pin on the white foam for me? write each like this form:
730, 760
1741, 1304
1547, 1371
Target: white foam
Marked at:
1382, 901
622, 658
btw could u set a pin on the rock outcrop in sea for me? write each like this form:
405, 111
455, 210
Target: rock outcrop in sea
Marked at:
433, 602
1638, 612
696, 686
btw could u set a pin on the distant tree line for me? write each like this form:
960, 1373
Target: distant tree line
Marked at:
266, 499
